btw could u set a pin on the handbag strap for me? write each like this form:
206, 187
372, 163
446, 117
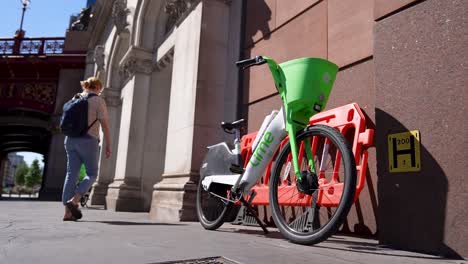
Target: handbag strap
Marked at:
89, 95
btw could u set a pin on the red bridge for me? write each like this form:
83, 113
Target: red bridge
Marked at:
36, 76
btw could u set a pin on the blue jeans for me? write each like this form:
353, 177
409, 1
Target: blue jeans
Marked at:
80, 150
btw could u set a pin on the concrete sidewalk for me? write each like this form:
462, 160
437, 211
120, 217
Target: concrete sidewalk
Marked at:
33, 232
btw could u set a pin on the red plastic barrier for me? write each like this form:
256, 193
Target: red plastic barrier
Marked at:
347, 119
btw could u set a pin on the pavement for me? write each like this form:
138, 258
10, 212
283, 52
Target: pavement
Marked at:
33, 232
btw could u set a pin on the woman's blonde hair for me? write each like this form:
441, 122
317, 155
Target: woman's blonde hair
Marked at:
92, 83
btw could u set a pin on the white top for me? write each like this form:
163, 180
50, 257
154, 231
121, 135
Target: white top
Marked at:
97, 109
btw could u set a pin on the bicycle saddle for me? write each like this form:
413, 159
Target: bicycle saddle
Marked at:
230, 126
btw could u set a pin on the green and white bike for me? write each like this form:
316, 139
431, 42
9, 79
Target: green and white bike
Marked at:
313, 181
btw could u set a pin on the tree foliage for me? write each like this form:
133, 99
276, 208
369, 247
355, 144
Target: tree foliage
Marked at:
21, 172
34, 176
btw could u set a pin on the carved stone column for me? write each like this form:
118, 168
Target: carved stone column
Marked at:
89, 69
197, 105
176, 9
99, 60
119, 16
125, 193
107, 166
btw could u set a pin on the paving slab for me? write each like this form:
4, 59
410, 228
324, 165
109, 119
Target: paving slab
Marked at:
33, 232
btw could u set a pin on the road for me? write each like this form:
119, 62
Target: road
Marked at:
33, 232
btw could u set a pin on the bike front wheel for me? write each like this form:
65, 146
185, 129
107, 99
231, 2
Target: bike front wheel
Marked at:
311, 210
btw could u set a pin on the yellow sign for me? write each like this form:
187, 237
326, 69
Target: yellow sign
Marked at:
403, 151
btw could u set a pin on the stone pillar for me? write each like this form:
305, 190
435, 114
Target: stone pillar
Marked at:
56, 169
125, 193
107, 166
2, 173
89, 69
156, 130
68, 85
197, 101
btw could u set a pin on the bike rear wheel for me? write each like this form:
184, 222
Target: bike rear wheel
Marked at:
311, 211
211, 208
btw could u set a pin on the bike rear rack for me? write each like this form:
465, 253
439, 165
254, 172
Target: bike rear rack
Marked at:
350, 121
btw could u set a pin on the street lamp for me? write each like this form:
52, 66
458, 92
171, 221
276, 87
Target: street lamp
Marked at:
25, 4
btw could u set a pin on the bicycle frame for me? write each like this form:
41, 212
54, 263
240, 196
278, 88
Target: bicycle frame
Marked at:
287, 122
267, 143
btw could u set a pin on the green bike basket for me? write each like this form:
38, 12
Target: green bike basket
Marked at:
308, 85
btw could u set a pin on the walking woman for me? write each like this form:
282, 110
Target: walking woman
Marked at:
84, 148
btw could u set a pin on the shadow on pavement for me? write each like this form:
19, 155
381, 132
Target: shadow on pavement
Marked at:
259, 233
371, 248
200, 261
132, 223
341, 243
101, 208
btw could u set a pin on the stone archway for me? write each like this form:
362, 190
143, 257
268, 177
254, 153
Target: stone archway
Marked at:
22, 133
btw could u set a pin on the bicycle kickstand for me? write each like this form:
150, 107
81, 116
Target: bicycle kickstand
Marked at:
253, 213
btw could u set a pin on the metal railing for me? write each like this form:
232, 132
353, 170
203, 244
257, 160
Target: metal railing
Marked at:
31, 46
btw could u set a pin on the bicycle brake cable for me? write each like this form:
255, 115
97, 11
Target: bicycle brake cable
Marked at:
225, 199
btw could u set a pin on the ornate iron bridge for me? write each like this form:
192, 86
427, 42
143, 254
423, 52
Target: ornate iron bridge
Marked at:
31, 46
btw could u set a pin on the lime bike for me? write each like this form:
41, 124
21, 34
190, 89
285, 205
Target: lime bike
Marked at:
313, 180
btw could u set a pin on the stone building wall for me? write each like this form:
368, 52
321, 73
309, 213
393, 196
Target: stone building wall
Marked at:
402, 62
420, 83
340, 31
169, 80
168, 72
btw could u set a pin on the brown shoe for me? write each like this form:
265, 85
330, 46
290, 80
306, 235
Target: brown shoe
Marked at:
74, 210
69, 218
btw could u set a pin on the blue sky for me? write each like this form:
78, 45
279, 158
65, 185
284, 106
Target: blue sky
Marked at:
30, 156
43, 18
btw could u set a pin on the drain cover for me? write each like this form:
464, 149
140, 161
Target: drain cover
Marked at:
211, 260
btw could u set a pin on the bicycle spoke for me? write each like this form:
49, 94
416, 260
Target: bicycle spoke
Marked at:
213, 204
302, 212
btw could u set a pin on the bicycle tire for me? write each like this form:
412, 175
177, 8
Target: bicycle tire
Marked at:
209, 217
308, 226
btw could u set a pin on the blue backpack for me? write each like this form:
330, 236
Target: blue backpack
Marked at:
74, 121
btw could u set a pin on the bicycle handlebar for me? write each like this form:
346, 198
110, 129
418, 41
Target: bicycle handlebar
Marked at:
275, 69
244, 64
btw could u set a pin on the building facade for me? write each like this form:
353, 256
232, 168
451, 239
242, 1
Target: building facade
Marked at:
169, 78
403, 63
12, 162
169, 81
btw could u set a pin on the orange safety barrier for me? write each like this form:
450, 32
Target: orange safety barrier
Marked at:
347, 119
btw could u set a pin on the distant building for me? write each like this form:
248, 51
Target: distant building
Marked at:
13, 161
